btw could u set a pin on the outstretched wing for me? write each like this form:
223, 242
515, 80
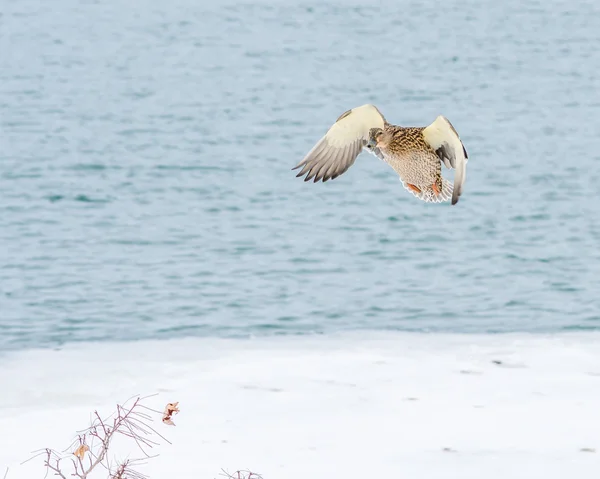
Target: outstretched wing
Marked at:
338, 149
444, 139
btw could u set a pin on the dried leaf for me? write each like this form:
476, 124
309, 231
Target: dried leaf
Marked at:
170, 409
81, 450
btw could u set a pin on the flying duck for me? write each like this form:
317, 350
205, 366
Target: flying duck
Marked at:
416, 153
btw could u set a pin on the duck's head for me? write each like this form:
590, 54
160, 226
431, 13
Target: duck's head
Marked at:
375, 136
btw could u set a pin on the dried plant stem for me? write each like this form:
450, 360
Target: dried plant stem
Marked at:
92, 445
241, 474
52, 463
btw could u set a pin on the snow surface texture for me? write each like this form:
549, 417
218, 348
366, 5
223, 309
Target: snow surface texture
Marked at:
505, 406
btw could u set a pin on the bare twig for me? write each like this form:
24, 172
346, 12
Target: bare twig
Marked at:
241, 474
125, 471
94, 442
52, 463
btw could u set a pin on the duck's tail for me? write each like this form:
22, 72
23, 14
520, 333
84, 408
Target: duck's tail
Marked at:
428, 194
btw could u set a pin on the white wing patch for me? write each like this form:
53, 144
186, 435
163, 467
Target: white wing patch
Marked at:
354, 124
343, 142
444, 139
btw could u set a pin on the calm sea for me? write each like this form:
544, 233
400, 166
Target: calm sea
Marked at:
146, 150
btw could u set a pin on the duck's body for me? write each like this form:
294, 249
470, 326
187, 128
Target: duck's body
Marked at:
415, 161
415, 153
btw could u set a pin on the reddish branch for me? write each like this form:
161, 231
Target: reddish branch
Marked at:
241, 474
90, 449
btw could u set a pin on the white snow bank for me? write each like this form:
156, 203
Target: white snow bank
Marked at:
329, 407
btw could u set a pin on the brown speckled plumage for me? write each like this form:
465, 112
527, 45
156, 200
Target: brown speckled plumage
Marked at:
415, 153
415, 161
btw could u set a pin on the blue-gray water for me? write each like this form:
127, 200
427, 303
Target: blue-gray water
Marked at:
146, 148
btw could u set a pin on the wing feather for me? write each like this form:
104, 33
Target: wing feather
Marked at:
337, 150
444, 139
338, 159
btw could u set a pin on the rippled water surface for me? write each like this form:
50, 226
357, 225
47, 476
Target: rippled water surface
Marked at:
146, 148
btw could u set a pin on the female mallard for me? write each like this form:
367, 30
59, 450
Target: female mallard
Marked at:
416, 153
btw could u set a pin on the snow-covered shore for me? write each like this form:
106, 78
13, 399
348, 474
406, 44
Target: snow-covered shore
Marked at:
355, 405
